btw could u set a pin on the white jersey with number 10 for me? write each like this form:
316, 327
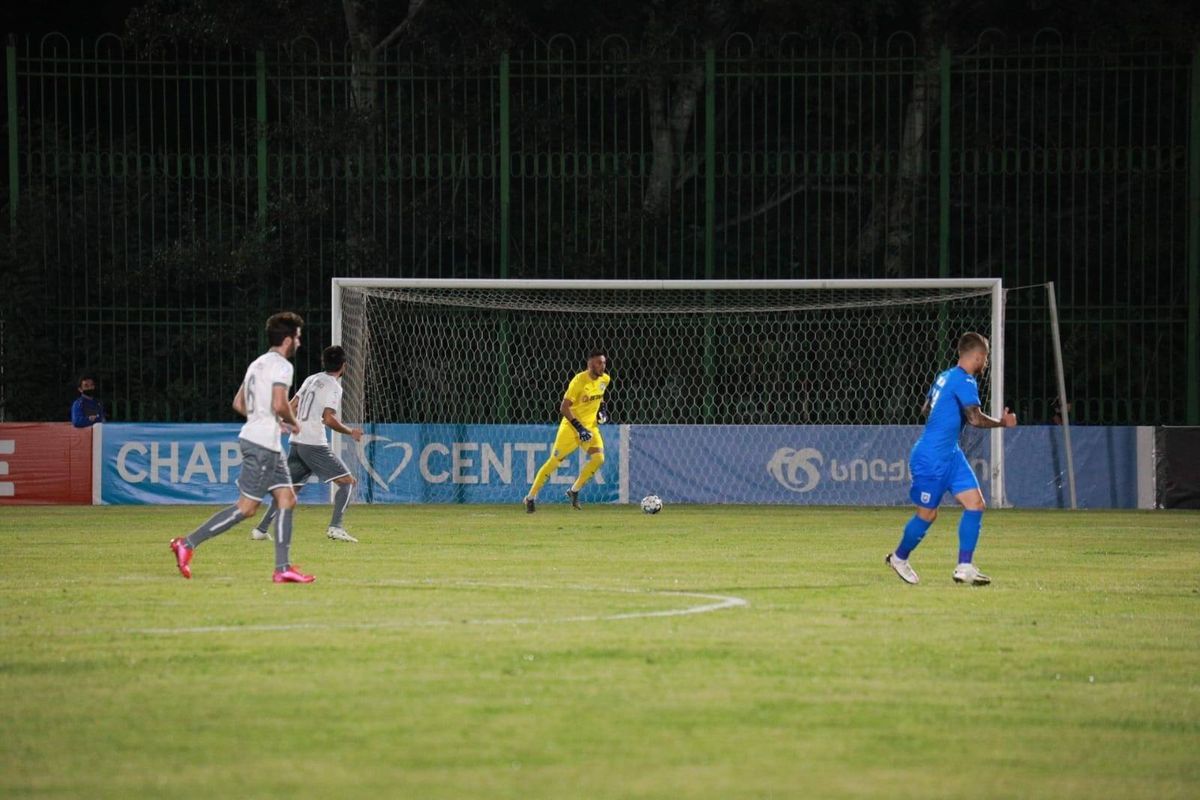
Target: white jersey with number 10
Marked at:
262, 426
319, 392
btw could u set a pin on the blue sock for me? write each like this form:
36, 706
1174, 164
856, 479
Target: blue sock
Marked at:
968, 535
914, 532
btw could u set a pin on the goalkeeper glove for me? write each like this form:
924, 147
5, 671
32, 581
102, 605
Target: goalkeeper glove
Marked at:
601, 417
584, 434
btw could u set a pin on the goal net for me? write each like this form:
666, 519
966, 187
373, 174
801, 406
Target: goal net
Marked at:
698, 368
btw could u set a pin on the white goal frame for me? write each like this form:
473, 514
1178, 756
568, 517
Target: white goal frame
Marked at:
993, 285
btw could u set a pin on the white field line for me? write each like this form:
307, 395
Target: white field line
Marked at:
719, 603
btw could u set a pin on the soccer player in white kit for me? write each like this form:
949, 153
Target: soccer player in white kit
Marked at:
318, 405
263, 400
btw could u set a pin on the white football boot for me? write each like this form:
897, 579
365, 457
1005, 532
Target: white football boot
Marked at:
969, 573
258, 535
340, 535
902, 568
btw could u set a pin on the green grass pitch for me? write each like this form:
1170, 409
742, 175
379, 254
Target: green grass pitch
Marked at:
480, 652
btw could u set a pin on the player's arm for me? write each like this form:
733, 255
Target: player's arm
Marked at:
334, 424
569, 415
927, 405
977, 418
239, 400
282, 408
603, 412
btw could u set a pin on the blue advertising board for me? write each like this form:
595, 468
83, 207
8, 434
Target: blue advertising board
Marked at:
868, 465
393, 463
1106, 467
803, 465
168, 463
469, 464
793, 464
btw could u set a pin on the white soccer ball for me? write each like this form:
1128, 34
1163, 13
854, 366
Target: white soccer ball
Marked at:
652, 504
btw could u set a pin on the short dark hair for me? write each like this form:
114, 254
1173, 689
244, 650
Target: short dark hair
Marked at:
597, 351
86, 376
282, 325
969, 342
333, 358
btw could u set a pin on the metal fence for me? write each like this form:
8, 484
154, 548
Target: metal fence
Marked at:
163, 201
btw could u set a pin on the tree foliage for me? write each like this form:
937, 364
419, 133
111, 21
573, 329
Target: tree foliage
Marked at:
396, 121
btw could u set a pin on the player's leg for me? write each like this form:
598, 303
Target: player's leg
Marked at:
565, 443
595, 451
263, 529
252, 484
215, 525
341, 500
299, 472
221, 521
926, 494
285, 570
965, 488
324, 463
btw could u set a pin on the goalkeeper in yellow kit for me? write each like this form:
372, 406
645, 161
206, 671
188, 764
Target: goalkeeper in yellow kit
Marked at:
581, 412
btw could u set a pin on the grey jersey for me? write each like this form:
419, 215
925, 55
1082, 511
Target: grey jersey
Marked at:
319, 391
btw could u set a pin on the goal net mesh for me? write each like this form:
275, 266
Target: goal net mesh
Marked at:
793, 356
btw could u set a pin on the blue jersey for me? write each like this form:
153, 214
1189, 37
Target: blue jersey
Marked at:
951, 395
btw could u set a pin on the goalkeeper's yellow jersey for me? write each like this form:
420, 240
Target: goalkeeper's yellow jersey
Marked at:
585, 394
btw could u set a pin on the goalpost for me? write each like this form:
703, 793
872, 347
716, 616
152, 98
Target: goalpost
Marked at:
752, 354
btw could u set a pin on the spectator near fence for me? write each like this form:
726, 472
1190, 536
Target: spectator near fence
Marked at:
87, 410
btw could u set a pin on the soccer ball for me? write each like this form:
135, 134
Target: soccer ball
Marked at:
651, 504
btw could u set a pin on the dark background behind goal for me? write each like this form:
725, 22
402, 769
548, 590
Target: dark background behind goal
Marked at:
161, 200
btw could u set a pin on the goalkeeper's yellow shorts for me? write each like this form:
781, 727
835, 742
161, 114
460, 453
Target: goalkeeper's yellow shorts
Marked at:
567, 440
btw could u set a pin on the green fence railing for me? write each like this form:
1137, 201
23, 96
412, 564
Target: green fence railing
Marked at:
163, 201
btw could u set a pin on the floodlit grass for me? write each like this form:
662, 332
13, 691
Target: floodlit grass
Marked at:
480, 652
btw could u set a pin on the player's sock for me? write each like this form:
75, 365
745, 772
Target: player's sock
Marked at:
914, 532
542, 476
217, 524
283, 542
341, 499
265, 523
968, 535
594, 462
273, 511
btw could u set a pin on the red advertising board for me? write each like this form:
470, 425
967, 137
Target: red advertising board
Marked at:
45, 462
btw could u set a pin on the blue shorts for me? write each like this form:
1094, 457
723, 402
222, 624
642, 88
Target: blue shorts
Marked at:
957, 476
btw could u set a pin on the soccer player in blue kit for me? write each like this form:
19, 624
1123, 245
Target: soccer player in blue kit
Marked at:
938, 464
